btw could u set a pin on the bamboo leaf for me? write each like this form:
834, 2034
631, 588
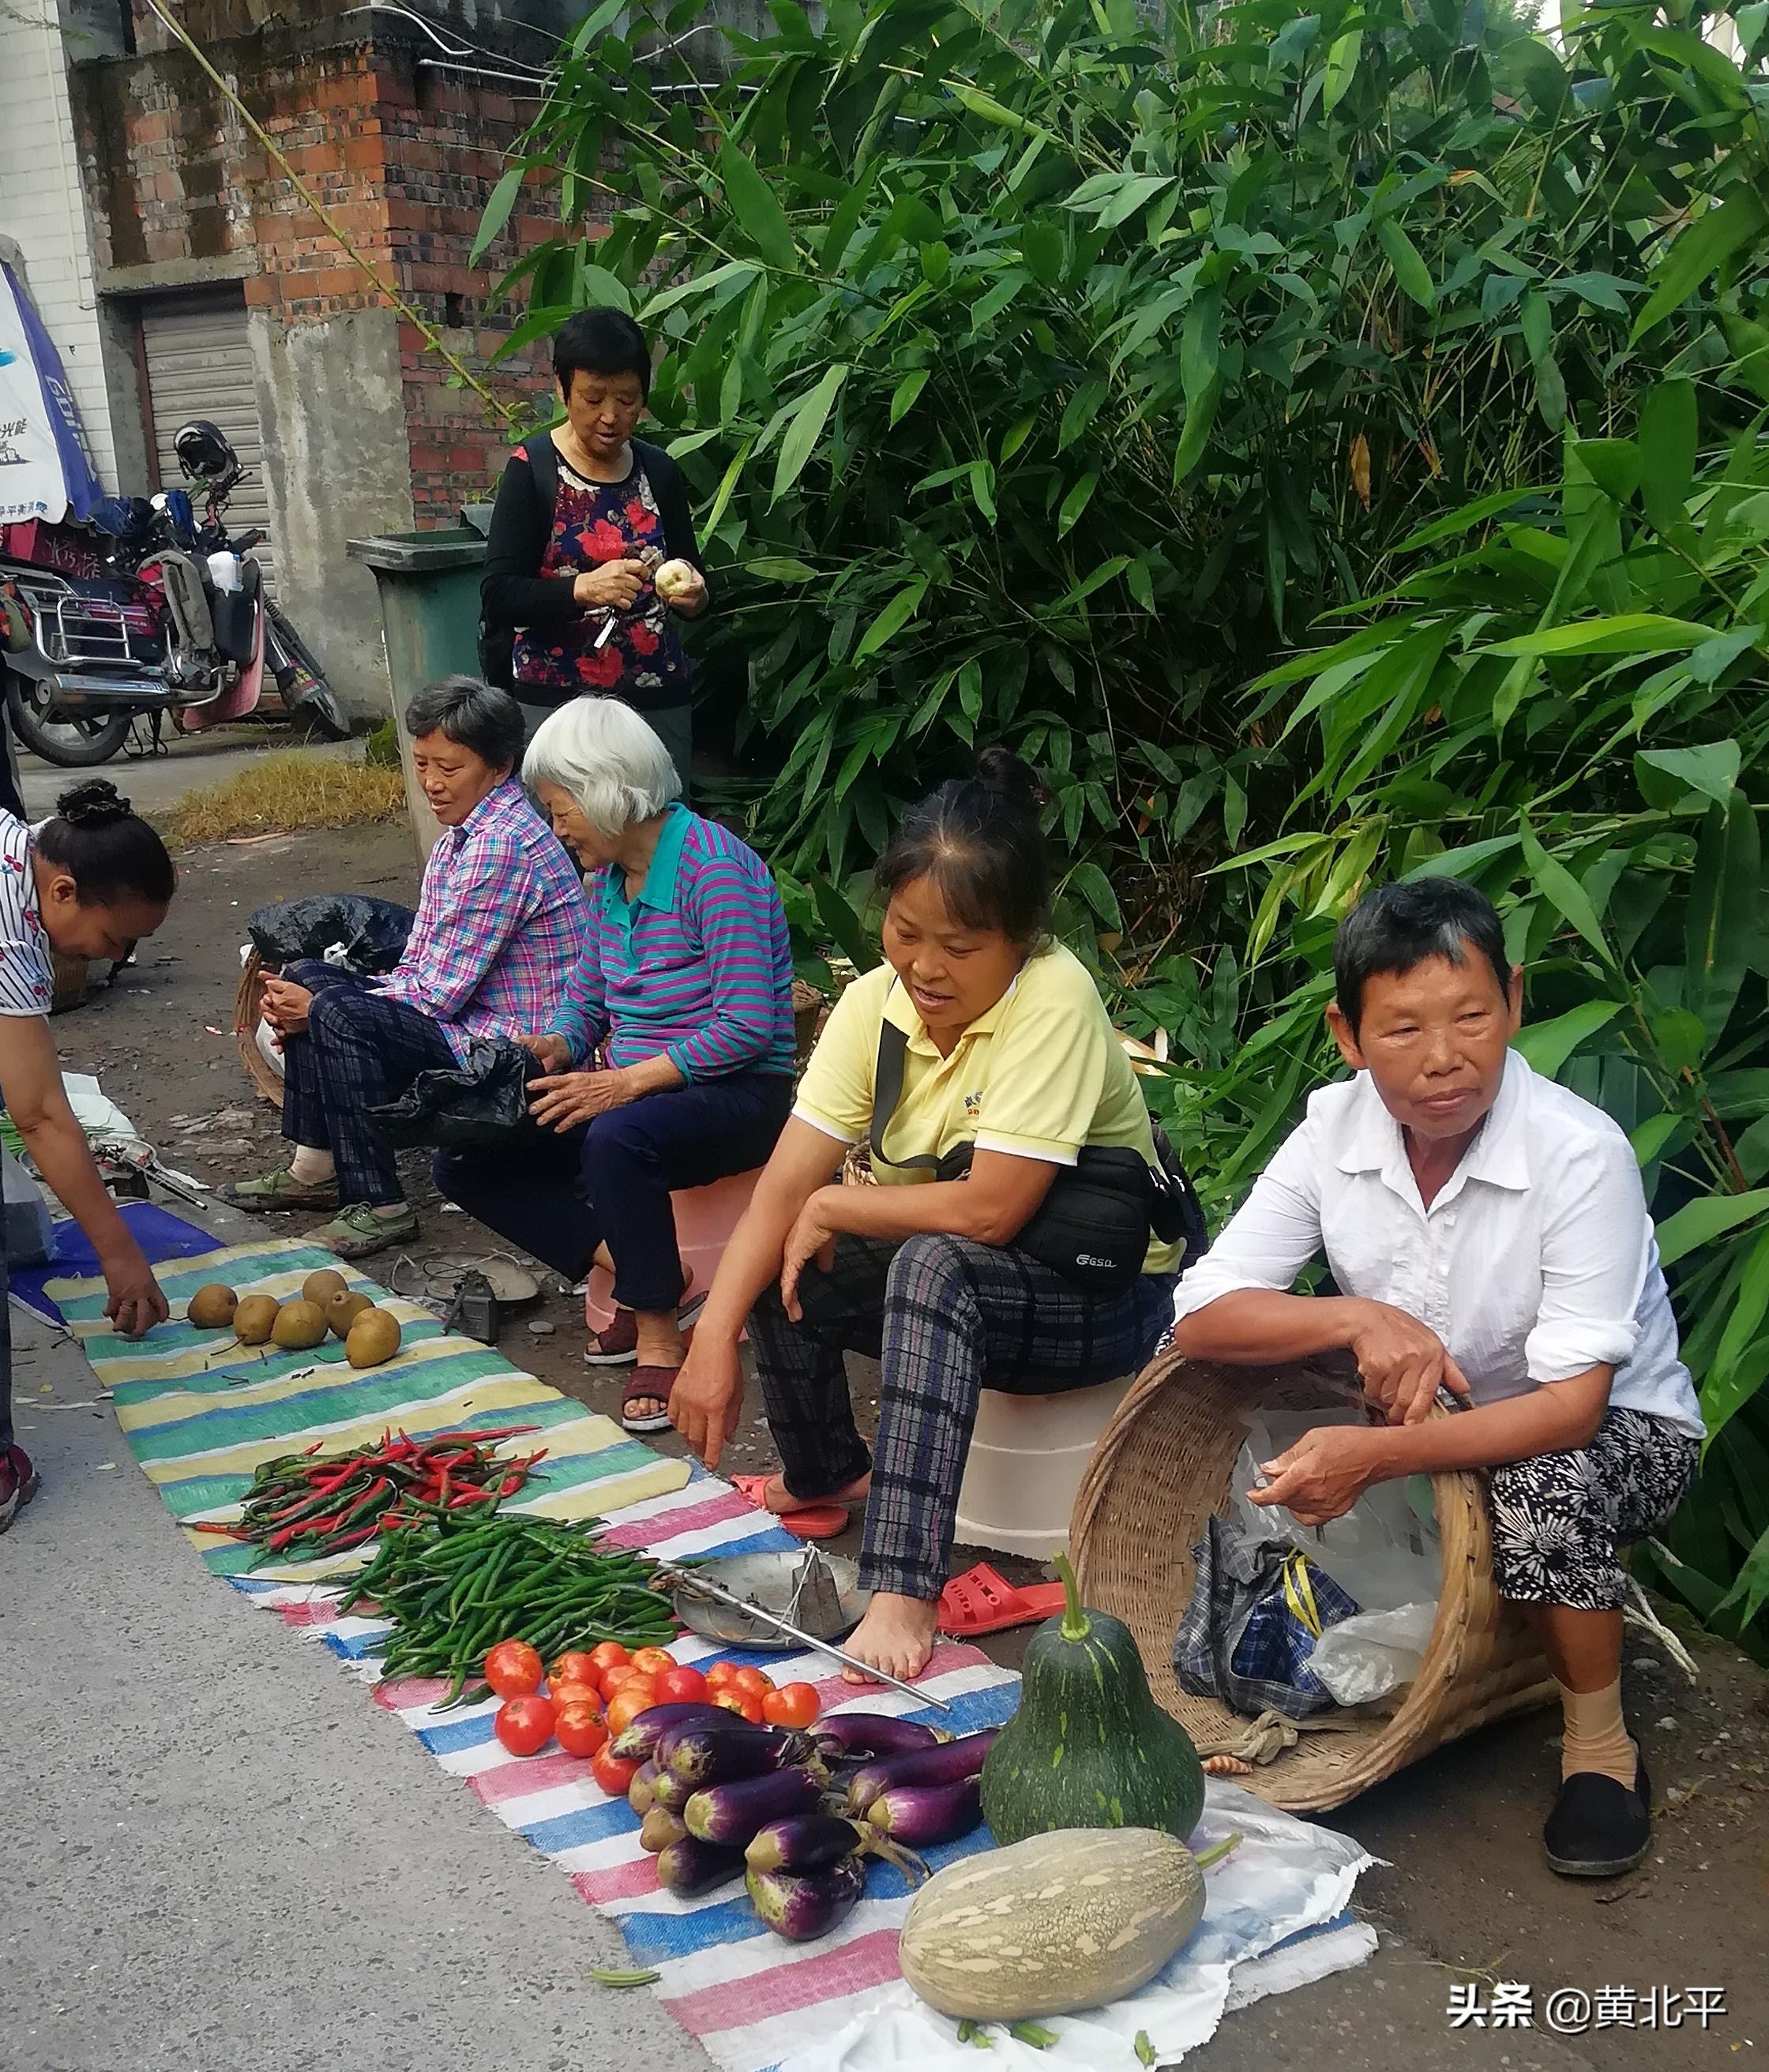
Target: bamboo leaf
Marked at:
1700, 250
1410, 270
891, 621
1564, 891
497, 209
754, 205
1546, 1046
1341, 68
1079, 496
805, 428
902, 399
1704, 1219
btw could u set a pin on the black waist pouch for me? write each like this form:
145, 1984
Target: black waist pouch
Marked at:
1094, 1225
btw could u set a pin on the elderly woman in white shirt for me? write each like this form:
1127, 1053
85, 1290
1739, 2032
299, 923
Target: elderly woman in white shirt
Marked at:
1488, 1236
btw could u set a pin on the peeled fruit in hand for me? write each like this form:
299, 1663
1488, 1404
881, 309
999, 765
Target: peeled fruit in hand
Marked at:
676, 580
255, 1319
298, 1325
374, 1338
210, 1308
322, 1284
344, 1308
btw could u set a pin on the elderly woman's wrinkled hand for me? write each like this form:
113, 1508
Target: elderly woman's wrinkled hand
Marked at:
1402, 1363
612, 586
553, 1051
1321, 1476
562, 1099
812, 1237
285, 1006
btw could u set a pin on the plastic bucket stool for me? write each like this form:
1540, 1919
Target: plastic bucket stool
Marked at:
1027, 1456
705, 1218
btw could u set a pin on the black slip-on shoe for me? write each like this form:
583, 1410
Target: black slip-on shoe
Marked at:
1599, 1828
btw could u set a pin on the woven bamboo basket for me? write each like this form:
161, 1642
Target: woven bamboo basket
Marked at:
248, 1011
1162, 1467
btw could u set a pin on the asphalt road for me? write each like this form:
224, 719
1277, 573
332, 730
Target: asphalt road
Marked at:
217, 1853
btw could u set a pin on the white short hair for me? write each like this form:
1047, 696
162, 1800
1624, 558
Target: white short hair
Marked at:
603, 754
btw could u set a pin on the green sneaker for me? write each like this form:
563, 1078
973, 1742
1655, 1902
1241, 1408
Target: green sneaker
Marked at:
279, 1190
357, 1231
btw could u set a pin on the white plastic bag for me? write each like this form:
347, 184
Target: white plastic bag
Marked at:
1365, 1658
1384, 1552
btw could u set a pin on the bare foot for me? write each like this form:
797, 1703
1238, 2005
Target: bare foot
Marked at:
776, 1498
896, 1635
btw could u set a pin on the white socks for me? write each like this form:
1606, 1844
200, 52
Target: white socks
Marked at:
311, 1167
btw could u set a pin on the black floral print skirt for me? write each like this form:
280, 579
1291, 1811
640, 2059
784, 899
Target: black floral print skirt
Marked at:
1558, 1520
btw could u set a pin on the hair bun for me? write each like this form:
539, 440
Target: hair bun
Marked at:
999, 770
95, 803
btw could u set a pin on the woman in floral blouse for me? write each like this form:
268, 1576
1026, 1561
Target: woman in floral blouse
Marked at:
585, 516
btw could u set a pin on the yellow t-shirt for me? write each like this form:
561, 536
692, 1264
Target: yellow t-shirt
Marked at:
1038, 1075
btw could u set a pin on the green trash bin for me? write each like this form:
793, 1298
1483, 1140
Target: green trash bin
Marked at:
430, 610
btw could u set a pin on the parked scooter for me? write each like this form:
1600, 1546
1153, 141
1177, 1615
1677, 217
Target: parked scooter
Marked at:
147, 612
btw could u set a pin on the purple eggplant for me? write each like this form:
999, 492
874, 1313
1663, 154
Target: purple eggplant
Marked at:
658, 1830
638, 1742
804, 1842
867, 1736
951, 1763
671, 1793
701, 1756
813, 1841
734, 1813
922, 1815
688, 1867
642, 1793
803, 1908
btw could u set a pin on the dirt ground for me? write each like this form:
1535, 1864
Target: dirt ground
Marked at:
1462, 1898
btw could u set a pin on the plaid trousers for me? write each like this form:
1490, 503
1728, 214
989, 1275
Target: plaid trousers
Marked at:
946, 1317
359, 1052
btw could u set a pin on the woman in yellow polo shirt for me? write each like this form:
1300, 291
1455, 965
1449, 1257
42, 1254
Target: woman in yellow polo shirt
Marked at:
1008, 1048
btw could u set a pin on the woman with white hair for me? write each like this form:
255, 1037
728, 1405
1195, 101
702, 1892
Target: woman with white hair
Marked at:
670, 1058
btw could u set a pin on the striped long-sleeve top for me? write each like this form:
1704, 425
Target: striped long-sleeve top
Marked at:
695, 964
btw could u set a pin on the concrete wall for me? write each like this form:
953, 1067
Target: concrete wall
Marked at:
338, 467
43, 210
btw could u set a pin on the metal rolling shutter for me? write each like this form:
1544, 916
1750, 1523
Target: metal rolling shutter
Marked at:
199, 363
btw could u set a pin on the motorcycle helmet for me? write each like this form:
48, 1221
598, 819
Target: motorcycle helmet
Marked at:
205, 456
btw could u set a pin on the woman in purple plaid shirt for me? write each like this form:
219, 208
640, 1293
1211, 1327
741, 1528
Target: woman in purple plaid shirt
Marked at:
502, 922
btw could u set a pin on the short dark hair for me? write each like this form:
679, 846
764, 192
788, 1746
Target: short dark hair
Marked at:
600, 341
1398, 926
978, 839
110, 852
473, 714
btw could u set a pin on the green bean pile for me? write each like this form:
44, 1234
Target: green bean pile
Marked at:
454, 1594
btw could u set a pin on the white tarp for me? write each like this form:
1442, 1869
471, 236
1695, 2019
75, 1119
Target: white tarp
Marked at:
1287, 1879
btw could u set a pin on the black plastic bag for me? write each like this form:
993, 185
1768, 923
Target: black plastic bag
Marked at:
480, 1106
370, 932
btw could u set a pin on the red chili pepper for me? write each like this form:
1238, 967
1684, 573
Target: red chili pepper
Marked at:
205, 1525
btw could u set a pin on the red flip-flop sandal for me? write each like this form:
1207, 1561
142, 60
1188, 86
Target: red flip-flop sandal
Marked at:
982, 1602
811, 1521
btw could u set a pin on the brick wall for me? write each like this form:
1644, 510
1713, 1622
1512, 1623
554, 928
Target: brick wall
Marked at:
402, 154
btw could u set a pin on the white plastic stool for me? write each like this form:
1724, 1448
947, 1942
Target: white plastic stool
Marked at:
705, 1218
1027, 1456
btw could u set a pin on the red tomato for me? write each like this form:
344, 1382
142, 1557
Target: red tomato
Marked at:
613, 1775
720, 1674
654, 1661
621, 1672
634, 1697
513, 1669
607, 1654
744, 1702
525, 1725
755, 1681
575, 1666
577, 1692
792, 1705
581, 1727
681, 1687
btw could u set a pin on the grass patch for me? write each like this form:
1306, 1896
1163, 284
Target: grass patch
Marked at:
288, 793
